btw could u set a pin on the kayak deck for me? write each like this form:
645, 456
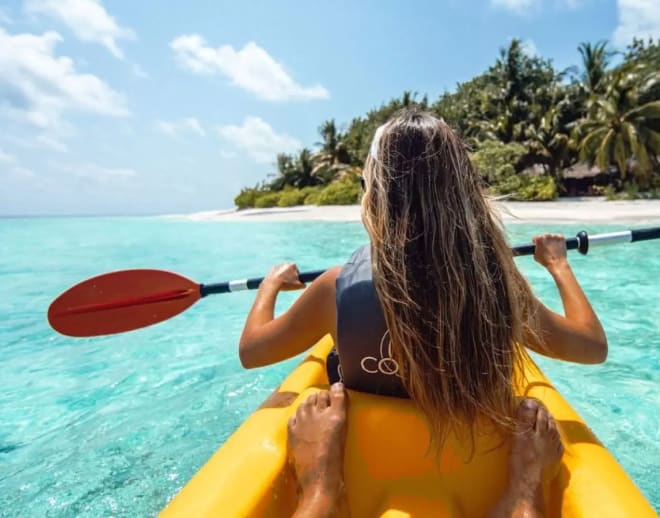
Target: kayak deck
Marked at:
389, 470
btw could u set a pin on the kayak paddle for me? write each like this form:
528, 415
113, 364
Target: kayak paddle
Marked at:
131, 299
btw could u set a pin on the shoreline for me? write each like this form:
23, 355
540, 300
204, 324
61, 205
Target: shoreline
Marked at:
574, 210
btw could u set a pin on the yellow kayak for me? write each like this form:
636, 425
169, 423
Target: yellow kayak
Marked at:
389, 471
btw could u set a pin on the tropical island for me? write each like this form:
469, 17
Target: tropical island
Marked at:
536, 133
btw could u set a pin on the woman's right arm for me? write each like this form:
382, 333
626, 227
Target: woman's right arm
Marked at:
578, 336
267, 339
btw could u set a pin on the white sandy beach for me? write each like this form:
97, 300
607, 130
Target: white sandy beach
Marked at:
576, 210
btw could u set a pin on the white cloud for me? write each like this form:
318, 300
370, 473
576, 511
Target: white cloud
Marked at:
637, 18
6, 158
88, 20
38, 87
528, 6
250, 68
517, 6
258, 139
175, 128
37, 141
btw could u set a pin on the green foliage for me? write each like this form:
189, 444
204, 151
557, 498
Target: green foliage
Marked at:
619, 129
525, 187
266, 200
333, 157
295, 171
462, 108
644, 52
606, 190
312, 196
246, 198
631, 191
595, 59
292, 197
495, 160
361, 130
519, 113
340, 193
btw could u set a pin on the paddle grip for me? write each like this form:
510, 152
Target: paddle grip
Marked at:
210, 289
248, 284
579, 243
643, 234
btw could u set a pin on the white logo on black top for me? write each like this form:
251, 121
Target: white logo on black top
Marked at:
385, 364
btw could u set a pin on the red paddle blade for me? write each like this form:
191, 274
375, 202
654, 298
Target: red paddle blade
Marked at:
121, 301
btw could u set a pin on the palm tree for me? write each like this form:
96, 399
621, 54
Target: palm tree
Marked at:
513, 60
304, 166
285, 172
332, 158
595, 59
548, 133
520, 89
621, 131
294, 171
648, 54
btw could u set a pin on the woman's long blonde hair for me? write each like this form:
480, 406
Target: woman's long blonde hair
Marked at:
455, 304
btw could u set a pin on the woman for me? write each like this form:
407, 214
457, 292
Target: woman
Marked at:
444, 280
435, 308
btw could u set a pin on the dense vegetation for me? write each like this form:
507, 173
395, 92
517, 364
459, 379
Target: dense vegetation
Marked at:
526, 123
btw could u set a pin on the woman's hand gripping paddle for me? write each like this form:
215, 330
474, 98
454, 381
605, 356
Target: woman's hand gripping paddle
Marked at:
130, 299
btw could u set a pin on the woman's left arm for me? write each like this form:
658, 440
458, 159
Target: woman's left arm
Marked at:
266, 339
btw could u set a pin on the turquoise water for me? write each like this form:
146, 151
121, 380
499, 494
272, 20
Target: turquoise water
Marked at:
115, 426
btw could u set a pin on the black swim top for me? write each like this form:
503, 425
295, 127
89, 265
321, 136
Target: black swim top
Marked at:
363, 358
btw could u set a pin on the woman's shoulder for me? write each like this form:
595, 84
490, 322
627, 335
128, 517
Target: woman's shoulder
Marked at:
362, 254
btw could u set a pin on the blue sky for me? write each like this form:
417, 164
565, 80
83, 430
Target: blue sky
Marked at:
125, 107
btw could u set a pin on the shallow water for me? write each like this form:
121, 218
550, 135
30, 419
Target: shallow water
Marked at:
117, 425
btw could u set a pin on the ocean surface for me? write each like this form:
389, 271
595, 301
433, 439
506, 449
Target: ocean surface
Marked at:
115, 426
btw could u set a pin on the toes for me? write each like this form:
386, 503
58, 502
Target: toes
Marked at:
542, 416
556, 443
306, 406
553, 428
338, 395
311, 401
555, 435
323, 399
291, 425
527, 411
559, 445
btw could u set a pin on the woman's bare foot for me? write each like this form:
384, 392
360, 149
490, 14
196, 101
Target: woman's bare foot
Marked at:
535, 446
317, 435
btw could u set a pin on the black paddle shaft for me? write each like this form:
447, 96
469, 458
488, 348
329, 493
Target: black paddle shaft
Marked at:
249, 284
581, 243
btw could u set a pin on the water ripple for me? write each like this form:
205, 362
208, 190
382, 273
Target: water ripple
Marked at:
116, 425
